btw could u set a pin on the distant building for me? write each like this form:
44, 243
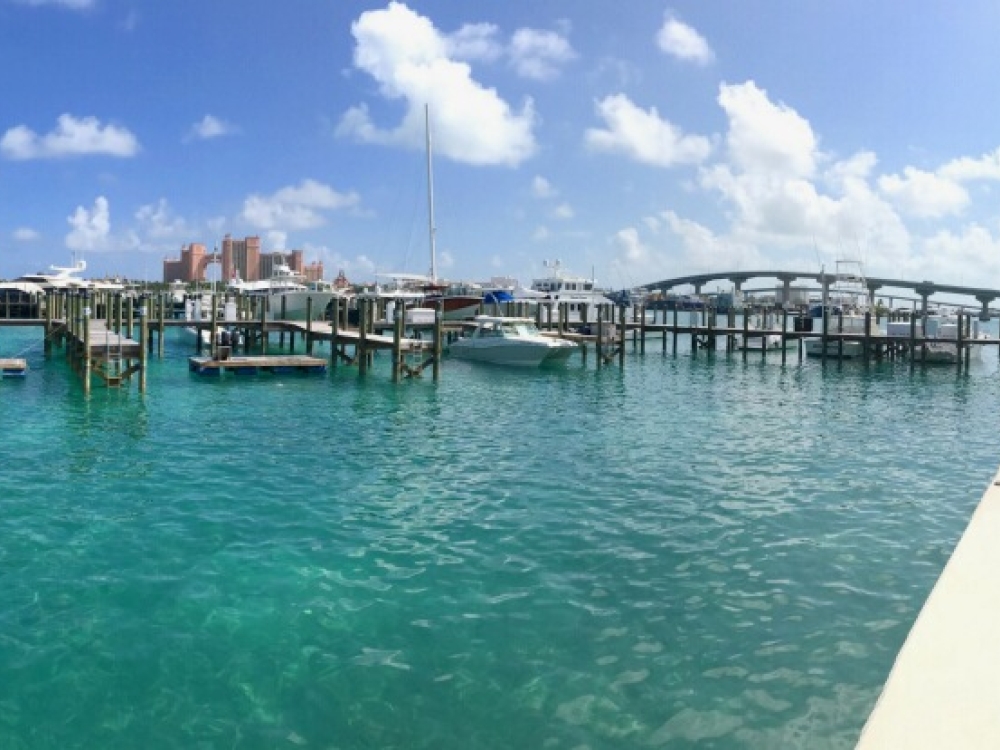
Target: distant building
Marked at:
241, 259
191, 265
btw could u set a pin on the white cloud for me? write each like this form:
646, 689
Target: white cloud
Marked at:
969, 254
409, 59
644, 136
26, 234
538, 54
277, 240
767, 137
924, 194
563, 211
208, 127
296, 207
683, 42
475, 42
158, 222
986, 167
90, 229
542, 188
71, 137
783, 194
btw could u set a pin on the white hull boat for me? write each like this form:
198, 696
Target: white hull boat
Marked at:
289, 295
844, 308
511, 341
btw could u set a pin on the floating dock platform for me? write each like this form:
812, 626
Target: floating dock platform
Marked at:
13, 368
278, 364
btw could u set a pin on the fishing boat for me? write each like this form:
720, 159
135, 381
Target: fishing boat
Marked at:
842, 311
940, 333
503, 340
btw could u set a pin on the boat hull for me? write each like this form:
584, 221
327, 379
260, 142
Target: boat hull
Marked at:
851, 349
295, 305
455, 307
514, 353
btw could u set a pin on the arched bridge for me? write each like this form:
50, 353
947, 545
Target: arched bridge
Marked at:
925, 289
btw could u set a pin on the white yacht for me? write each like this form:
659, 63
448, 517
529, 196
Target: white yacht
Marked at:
59, 278
289, 293
563, 288
505, 340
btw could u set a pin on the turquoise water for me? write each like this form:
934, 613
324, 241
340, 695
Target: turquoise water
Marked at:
688, 552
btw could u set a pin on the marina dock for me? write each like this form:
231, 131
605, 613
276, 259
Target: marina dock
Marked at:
941, 691
275, 364
108, 336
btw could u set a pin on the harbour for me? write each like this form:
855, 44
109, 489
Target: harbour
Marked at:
738, 546
487, 376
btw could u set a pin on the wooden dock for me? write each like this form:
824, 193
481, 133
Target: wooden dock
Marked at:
276, 364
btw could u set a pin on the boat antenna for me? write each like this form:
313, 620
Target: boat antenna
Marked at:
430, 192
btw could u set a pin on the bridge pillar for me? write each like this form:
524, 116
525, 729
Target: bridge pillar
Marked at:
697, 289
786, 293
984, 313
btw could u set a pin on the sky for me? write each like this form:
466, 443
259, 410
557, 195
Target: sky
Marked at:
631, 141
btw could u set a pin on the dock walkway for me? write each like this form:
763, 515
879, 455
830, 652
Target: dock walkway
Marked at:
942, 690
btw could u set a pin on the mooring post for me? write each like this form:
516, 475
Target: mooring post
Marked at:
868, 335
362, 353
263, 325
675, 331
309, 325
163, 324
438, 340
85, 323
49, 301
335, 332
397, 343
784, 335
622, 333
143, 355
961, 341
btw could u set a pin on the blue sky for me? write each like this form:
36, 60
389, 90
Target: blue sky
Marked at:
633, 141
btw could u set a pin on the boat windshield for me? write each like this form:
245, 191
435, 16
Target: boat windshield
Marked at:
520, 328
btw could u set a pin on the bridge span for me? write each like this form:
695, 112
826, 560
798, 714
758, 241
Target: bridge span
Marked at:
925, 289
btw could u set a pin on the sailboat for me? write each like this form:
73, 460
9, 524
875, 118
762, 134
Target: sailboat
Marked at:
456, 301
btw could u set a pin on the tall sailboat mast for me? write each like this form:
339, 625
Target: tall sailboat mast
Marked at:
430, 193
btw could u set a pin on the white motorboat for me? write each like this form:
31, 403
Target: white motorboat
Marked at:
505, 340
763, 334
289, 294
942, 330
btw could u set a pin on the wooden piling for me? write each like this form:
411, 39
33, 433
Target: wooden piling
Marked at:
85, 323
364, 306
784, 335
309, 323
438, 340
397, 344
143, 355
